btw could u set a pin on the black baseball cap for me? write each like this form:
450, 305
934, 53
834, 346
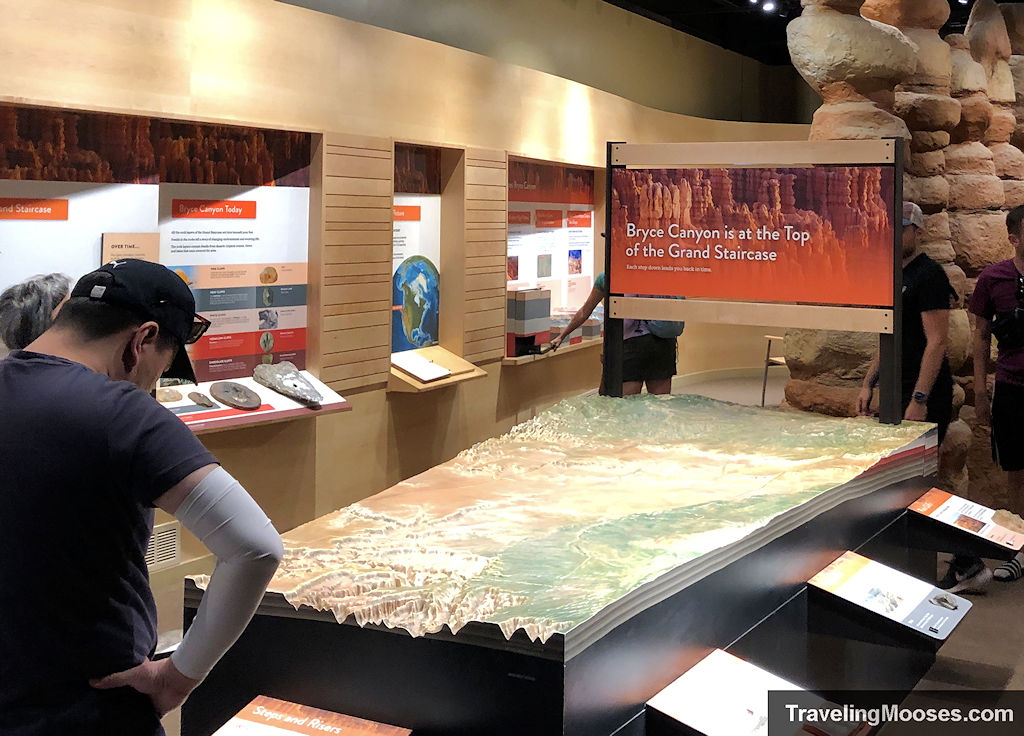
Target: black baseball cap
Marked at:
152, 292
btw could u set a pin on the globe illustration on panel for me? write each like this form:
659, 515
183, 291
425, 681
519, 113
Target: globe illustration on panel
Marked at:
415, 303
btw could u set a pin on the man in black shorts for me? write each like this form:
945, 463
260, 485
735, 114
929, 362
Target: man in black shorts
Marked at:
998, 308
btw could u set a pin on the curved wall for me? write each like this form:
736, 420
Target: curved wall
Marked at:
277, 65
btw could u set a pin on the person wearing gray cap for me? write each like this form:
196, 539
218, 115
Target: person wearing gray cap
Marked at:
926, 381
87, 455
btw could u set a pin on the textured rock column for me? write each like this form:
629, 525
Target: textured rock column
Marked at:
1013, 15
854, 64
923, 100
981, 239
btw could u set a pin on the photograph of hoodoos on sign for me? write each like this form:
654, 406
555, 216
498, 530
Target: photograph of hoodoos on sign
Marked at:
755, 234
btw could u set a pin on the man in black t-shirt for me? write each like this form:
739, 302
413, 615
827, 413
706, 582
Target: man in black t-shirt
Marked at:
927, 383
926, 380
86, 455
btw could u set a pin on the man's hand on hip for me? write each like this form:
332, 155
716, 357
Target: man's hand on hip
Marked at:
160, 680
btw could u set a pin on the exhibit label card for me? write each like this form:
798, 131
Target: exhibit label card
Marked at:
893, 594
967, 516
144, 246
723, 695
270, 717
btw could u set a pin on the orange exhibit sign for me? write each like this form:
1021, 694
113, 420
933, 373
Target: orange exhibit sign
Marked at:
31, 208
817, 235
550, 219
214, 209
269, 716
406, 213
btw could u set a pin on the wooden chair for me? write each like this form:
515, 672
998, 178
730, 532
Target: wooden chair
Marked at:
770, 360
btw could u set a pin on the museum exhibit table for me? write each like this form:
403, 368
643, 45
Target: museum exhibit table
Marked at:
553, 579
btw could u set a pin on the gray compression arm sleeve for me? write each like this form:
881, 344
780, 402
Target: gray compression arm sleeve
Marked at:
248, 550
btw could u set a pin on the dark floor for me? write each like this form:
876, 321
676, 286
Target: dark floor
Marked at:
986, 651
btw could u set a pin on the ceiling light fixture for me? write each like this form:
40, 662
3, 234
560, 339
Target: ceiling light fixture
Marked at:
768, 6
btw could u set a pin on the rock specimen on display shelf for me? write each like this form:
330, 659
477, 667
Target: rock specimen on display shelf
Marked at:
167, 395
201, 399
854, 64
235, 395
286, 379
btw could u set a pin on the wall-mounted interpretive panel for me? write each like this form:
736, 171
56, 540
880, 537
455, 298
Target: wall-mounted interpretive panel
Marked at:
416, 273
551, 230
416, 243
243, 251
227, 208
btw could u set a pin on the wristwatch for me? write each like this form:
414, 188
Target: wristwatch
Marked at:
920, 397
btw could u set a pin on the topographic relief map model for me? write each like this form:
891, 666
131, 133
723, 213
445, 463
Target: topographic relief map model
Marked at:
543, 527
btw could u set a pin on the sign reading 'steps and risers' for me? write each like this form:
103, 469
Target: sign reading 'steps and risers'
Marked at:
271, 717
819, 235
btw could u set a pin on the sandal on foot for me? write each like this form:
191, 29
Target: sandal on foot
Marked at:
1010, 571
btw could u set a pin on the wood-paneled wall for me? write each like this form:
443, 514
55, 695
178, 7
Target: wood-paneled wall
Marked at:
355, 340
486, 248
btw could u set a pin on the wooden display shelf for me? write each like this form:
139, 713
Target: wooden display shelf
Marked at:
521, 359
275, 408
461, 370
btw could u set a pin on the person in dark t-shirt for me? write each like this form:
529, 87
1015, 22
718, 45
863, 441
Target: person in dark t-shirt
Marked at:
926, 382
86, 455
998, 308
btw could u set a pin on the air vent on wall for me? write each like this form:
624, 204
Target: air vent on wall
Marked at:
164, 546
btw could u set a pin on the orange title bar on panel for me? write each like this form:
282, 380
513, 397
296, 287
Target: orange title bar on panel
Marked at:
213, 208
550, 218
407, 213
578, 218
518, 218
28, 208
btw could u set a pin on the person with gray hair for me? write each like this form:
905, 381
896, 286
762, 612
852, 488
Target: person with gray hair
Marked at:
27, 309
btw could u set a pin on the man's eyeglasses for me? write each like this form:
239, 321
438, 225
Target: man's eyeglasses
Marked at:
198, 329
